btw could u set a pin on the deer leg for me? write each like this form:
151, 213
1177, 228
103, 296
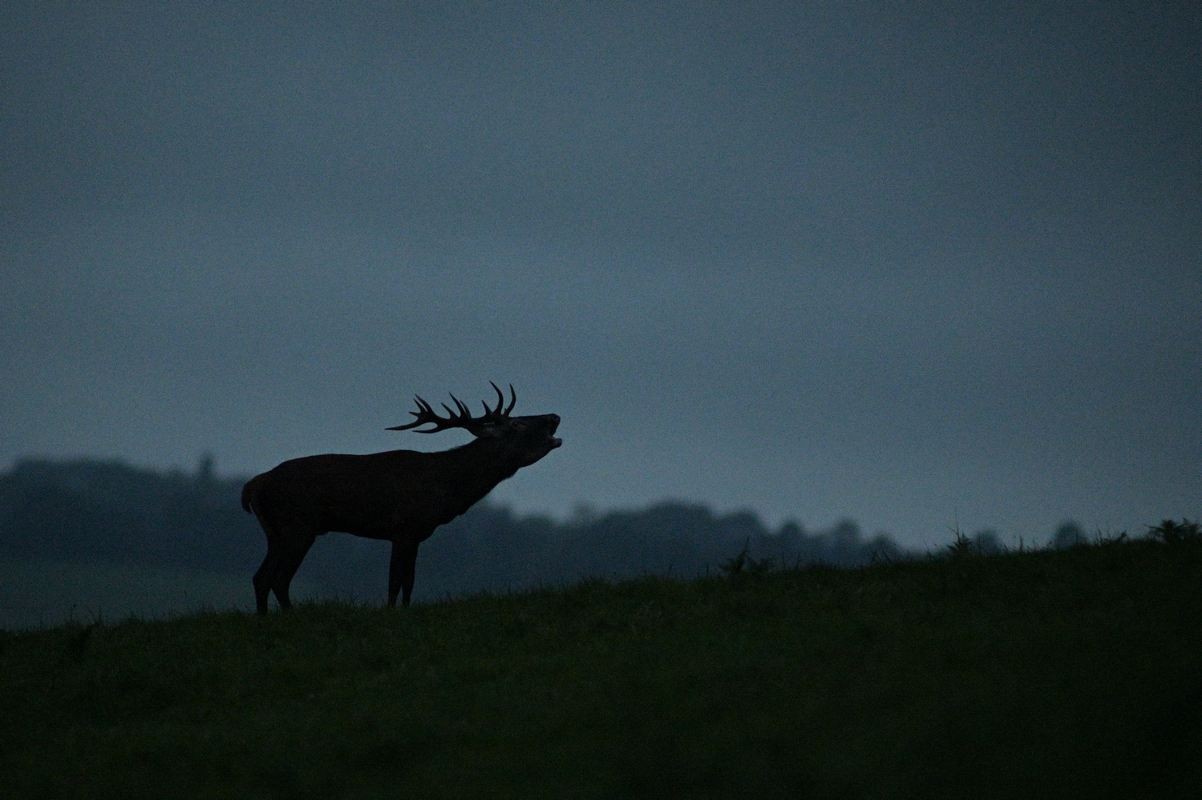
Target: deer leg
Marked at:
401, 571
265, 575
263, 578
289, 562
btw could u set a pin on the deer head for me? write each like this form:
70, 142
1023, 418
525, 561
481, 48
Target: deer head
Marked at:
527, 438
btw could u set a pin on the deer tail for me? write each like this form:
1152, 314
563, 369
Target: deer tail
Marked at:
249, 492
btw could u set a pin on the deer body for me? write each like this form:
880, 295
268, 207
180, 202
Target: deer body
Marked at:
400, 496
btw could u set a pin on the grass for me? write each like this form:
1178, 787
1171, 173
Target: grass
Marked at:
1036, 674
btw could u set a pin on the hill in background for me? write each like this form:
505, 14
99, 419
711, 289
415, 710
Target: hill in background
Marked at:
87, 538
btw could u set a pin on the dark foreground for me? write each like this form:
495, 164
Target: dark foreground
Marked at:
1047, 674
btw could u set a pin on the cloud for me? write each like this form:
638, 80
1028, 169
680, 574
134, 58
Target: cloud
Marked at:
821, 262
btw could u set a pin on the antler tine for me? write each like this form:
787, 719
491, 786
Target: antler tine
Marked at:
422, 415
496, 412
426, 414
513, 398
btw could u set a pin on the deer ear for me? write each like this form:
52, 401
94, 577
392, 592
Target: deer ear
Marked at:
487, 430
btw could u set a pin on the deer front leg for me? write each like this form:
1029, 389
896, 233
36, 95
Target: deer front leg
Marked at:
401, 571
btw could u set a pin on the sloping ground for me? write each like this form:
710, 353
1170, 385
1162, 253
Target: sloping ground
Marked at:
1045, 674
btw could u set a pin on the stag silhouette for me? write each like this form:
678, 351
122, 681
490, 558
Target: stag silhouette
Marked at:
399, 496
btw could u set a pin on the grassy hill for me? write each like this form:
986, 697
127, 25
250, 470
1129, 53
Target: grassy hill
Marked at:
1040, 674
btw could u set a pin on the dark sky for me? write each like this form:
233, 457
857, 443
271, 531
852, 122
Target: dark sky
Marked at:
920, 265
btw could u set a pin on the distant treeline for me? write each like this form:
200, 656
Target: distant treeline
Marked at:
105, 511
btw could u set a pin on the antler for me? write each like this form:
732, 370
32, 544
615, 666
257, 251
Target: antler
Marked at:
459, 418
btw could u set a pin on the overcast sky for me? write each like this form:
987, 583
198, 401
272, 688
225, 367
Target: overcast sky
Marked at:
918, 265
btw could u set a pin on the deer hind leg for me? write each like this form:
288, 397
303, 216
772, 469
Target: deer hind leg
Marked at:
265, 575
263, 578
293, 550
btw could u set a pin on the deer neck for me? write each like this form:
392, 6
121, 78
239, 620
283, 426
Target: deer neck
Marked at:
480, 467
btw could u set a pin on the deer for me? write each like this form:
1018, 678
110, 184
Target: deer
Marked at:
400, 496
